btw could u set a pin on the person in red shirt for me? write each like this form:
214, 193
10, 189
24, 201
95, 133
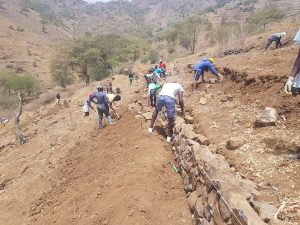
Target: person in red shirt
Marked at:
163, 67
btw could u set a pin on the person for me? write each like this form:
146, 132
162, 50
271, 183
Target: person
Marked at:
294, 82
113, 98
294, 78
102, 105
163, 66
57, 97
87, 105
147, 77
154, 78
130, 76
110, 88
152, 90
166, 99
201, 67
158, 71
277, 38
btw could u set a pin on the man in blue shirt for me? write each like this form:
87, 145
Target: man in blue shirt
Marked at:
201, 67
99, 98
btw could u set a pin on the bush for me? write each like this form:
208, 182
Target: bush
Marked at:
171, 50
99, 73
61, 73
23, 84
153, 56
260, 19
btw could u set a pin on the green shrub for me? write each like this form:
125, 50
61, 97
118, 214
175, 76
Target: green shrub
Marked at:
23, 84
171, 49
153, 56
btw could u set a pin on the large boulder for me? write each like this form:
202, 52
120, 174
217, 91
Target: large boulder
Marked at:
267, 117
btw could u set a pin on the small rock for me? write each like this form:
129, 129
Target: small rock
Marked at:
190, 66
203, 140
264, 210
189, 119
191, 142
267, 117
199, 208
212, 80
224, 210
203, 101
137, 91
147, 115
205, 222
192, 200
229, 97
235, 143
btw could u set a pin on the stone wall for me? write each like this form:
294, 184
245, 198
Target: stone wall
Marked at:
216, 195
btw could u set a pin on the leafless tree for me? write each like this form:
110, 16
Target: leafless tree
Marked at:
19, 136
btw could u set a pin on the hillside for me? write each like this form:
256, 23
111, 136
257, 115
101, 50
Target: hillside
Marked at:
220, 168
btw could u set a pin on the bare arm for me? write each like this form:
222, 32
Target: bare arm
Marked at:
296, 68
111, 106
181, 103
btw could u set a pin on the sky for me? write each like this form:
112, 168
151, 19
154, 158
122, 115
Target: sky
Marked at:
93, 1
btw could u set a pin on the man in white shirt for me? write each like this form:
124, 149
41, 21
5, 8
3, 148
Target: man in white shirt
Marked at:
166, 99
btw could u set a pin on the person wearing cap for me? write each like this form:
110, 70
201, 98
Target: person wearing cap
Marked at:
100, 99
166, 99
162, 65
201, 67
113, 98
277, 38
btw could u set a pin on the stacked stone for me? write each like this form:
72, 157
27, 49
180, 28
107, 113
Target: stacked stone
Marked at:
215, 195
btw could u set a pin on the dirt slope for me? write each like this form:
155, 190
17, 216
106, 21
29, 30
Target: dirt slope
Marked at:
71, 172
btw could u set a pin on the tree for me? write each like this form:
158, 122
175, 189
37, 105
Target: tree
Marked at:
190, 30
89, 55
187, 32
269, 14
61, 73
22, 84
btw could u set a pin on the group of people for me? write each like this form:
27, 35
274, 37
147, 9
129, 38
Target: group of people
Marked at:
170, 90
103, 101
